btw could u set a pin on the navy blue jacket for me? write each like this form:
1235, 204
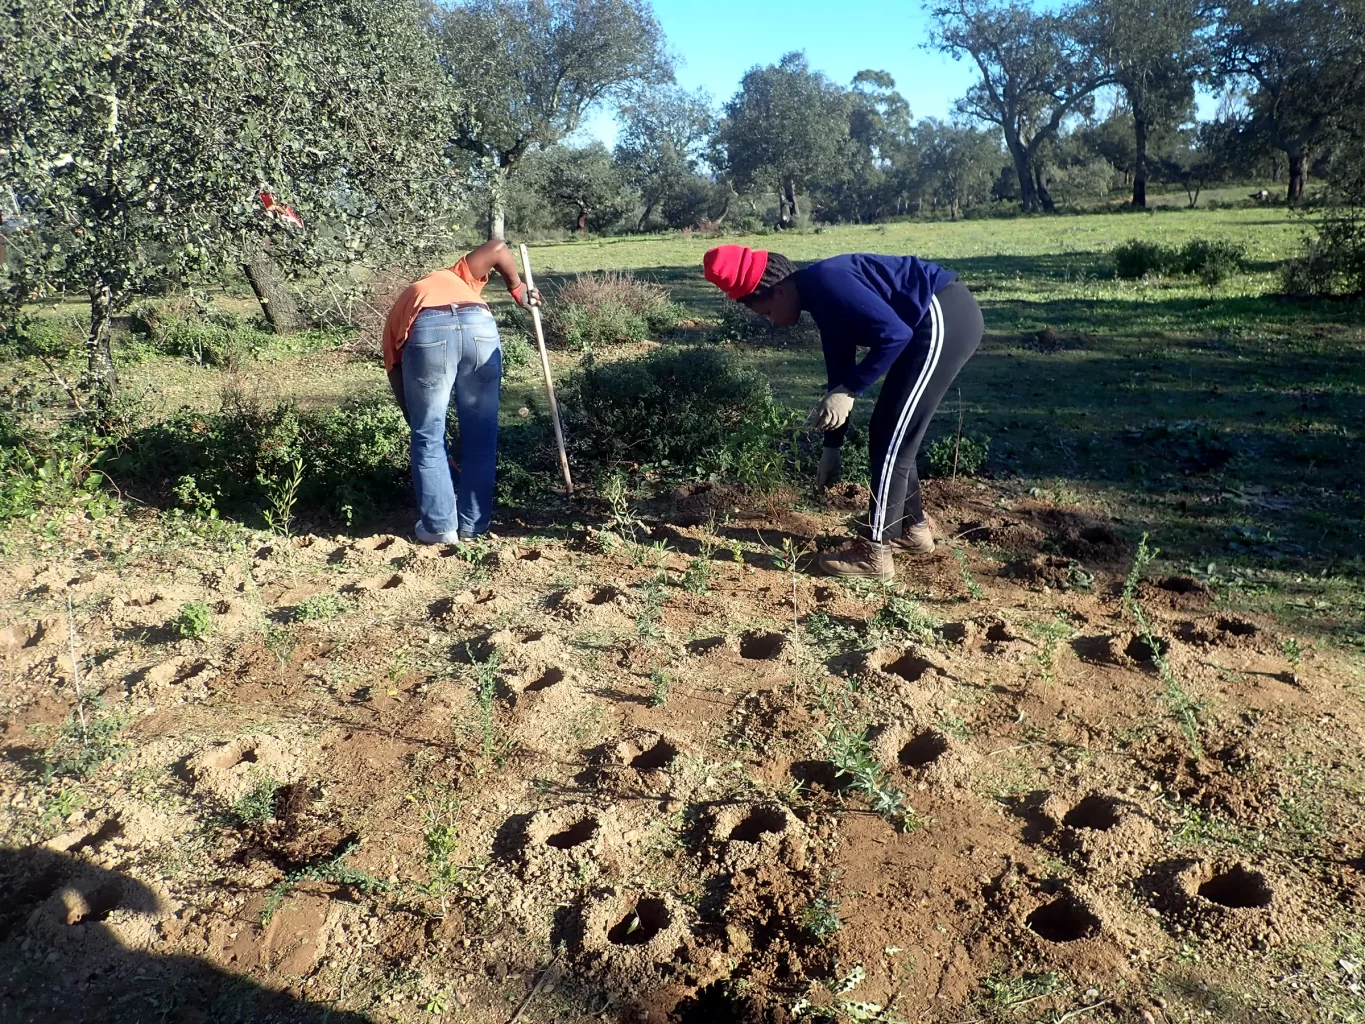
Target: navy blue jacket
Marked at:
873, 301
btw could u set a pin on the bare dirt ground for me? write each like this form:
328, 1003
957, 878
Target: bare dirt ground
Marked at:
540, 780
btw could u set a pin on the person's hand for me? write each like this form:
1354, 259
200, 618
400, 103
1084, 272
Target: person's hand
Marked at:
831, 463
832, 412
525, 297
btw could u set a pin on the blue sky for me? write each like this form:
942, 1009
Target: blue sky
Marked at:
717, 41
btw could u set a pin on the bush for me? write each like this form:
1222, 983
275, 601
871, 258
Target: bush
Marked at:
517, 347
1333, 262
739, 323
193, 622
1212, 262
680, 407
1137, 259
967, 459
355, 458
608, 308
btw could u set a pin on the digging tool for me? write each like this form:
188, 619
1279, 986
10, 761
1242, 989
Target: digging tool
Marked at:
545, 365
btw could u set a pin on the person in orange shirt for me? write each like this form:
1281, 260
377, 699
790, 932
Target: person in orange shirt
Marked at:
440, 337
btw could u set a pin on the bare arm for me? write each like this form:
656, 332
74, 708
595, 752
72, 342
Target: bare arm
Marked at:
494, 255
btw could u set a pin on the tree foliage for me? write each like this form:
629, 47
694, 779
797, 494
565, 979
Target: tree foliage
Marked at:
663, 142
539, 66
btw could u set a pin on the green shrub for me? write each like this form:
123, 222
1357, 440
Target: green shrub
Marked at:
669, 407
194, 621
1212, 262
967, 459
257, 805
1332, 262
607, 309
39, 470
739, 323
354, 458
1137, 258
513, 328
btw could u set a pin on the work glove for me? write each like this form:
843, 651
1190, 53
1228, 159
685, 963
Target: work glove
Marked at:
524, 296
832, 412
831, 463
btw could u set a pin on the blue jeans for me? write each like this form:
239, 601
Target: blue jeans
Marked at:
453, 348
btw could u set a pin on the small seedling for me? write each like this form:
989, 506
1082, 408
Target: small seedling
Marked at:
658, 694
1049, 633
257, 805
968, 579
821, 917
441, 838
283, 492
853, 759
63, 805
85, 741
320, 608
1182, 707
653, 598
1291, 650
697, 578
485, 692
332, 869
1141, 560
194, 621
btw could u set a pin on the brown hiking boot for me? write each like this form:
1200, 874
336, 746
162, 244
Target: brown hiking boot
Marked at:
861, 558
916, 540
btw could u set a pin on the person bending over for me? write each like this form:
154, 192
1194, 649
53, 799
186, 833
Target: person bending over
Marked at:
919, 325
440, 337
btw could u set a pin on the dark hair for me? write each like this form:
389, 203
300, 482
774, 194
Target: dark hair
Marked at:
779, 268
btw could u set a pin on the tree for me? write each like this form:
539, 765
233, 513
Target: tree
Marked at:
958, 163
663, 140
135, 136
1152, 48
538, 66
585, 182
1036, 71
785, 129
1305, 59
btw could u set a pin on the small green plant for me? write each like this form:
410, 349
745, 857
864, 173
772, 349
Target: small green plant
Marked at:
623, 521
85, 741
697, 578
329, 869
958, 456
902, 617
841, 1008
660, 681
653, 597
1142, 558
64, 804
282, 493
968, 580
852, 757
485, 695
1015, 990
829, 634
1049, 633
257, 805
441, 838
1291, 650
320, 608
820, 917
194, 621
736, 551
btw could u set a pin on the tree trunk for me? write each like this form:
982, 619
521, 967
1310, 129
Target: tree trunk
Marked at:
277, 302
1028, 196
644, 217
1140, 169
1044, 197
1275, 169
497, 203
953, 209
791, 200
99, 358
582, 223
1298, 175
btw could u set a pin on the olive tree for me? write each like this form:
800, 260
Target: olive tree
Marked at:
537, 67
136, 137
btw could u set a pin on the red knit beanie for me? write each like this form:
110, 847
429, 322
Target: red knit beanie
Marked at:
735, 269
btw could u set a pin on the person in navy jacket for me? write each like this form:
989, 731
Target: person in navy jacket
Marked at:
919, 324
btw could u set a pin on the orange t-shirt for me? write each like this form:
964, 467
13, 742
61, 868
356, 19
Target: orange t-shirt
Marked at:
439, 288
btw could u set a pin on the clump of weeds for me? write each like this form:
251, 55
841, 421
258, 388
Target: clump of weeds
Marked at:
903, 618
194, 621
330, 869
851, 754
820, 917
320, 608
660, 680
256, 806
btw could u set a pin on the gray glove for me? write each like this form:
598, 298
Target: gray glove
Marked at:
833, 410
830, 465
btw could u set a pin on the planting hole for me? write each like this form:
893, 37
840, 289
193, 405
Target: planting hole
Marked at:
98, 904
708, 644
924, 749
604, 596
1237, 887
575, 835
953, 632
647, 920
761, 821
1181, 585
1100, 813
761, 646
1140, 650
531, 638
531, 556
1063, 920
656, 758
1237, 627
1098, 535
549, 678
999, 634
909, 668
392, 582
450, 550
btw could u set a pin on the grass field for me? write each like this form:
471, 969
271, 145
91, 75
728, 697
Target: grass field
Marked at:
632, 760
